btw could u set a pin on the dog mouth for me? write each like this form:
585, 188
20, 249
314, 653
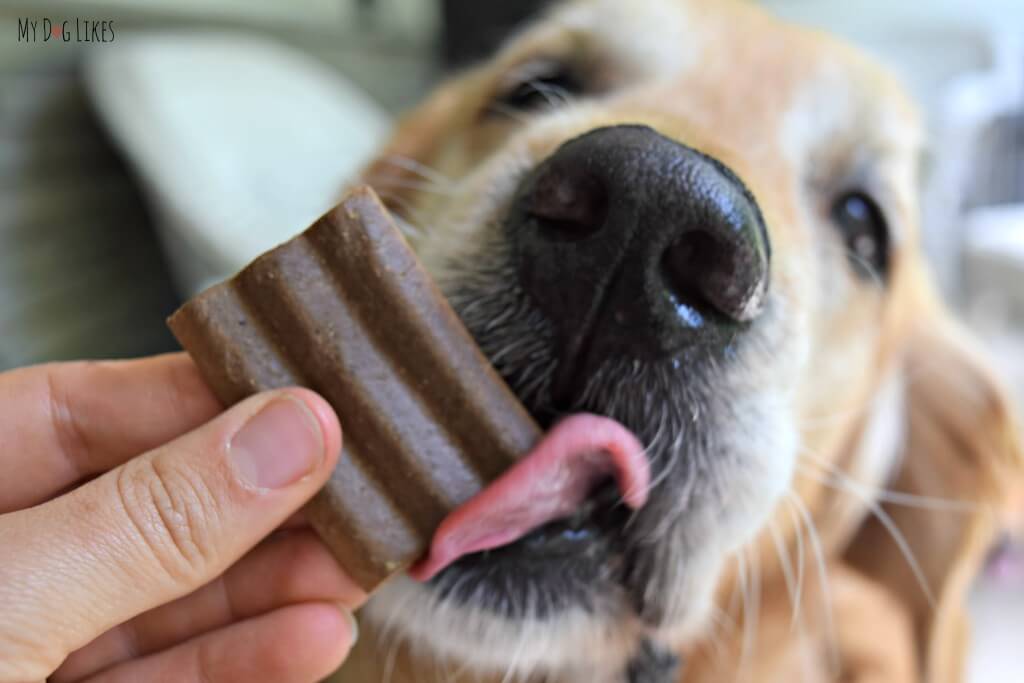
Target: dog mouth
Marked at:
599, 330
549, 491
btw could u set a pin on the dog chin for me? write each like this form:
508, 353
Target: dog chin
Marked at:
574, 644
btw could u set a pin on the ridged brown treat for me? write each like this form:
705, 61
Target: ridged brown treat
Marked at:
346, 309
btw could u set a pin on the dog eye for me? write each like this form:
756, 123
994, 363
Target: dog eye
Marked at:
865, 232
550, 87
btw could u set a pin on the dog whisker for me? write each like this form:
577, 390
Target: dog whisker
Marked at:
722, 626
798, 536
517, 654
405, 212
807, 656
883, 517
427, 187
743, 585
510, 112
391, 660
751, 580
872, 272
417, 167
826, 589
555, 96
787, 569
901, 498
794, 587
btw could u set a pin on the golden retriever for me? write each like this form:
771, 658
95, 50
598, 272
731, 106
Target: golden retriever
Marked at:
702, 222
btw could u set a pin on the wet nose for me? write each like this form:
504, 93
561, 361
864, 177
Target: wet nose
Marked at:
632, 243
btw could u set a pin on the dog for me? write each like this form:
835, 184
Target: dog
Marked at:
702, 222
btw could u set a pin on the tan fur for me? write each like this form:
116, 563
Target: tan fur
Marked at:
786, 109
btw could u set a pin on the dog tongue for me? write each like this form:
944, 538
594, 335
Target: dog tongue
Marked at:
550, 482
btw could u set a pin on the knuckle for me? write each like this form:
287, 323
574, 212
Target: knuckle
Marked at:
174, 513
67, 430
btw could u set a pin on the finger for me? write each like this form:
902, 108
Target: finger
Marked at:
288, 569
300, 644
64, 422
161, 525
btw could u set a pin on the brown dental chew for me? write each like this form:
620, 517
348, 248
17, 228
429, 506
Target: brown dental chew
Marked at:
346, 309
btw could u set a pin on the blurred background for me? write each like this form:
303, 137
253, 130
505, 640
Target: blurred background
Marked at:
186, 136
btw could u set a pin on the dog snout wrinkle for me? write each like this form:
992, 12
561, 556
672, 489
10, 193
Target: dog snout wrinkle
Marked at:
634, 244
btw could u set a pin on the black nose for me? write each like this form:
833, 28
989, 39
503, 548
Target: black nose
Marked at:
634, 244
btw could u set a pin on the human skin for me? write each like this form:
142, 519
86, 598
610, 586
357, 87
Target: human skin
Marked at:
147, 533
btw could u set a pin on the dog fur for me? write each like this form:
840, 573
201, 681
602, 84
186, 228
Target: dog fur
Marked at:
855, 456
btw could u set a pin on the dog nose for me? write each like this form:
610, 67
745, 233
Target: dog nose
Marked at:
632, 243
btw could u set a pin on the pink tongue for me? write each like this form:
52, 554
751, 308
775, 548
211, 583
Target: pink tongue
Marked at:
550, 482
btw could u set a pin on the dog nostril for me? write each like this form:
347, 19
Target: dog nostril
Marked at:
633, 245
705, 273
687, 266
568, 205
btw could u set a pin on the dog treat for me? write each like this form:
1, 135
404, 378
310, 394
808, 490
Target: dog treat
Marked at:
346, 309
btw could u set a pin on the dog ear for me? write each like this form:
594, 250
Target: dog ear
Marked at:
963, 457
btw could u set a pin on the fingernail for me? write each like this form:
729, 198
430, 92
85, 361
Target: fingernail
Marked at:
353, 624
279, 445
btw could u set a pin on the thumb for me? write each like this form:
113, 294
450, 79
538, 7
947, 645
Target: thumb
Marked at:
158, 527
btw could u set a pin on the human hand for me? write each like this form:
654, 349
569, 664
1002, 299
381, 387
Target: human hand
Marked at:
132, 526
